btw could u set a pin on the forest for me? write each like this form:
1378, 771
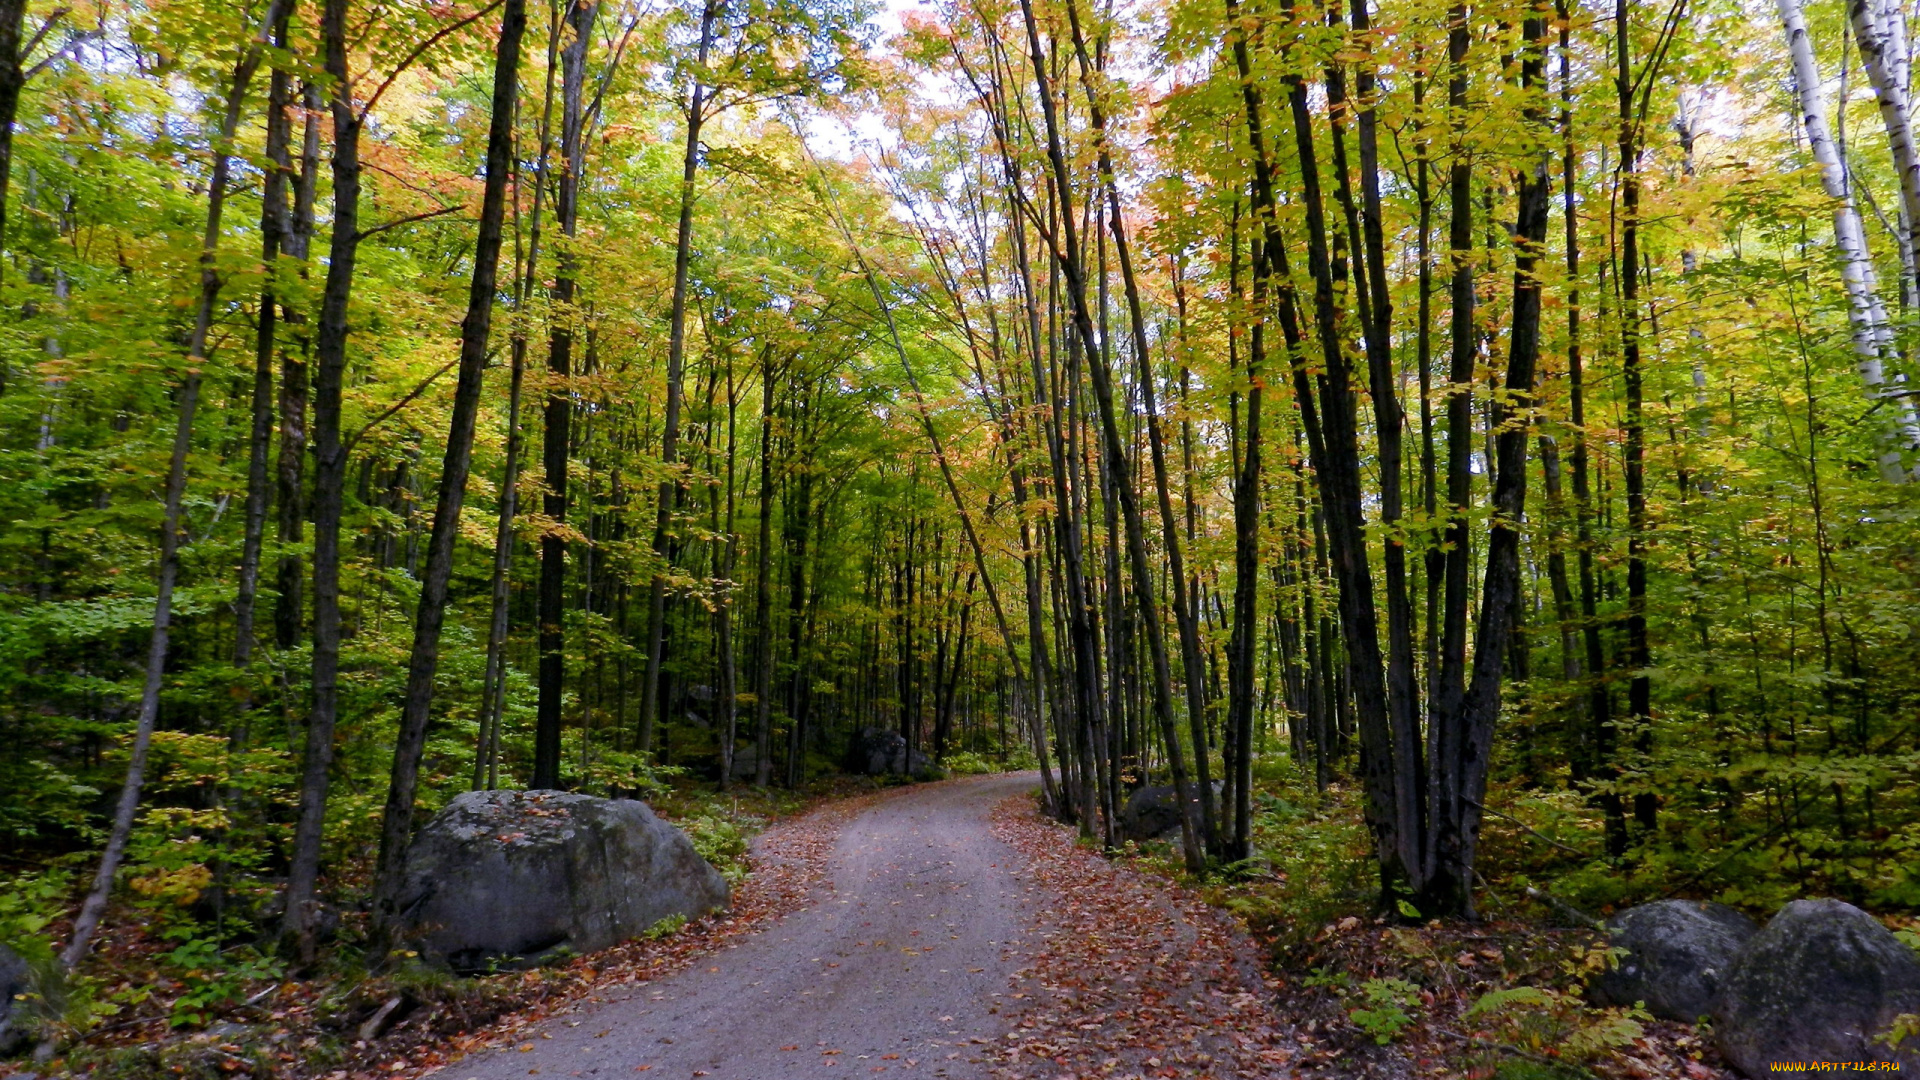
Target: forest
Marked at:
1464, 449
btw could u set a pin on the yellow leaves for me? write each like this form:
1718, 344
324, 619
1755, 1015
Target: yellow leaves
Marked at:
179, 886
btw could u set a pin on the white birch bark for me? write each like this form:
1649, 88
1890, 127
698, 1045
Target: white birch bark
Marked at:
1893, 21
1866, 314
1883, 53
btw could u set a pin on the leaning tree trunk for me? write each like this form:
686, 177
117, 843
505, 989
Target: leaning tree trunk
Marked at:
1331, 437
1883, 52
670, 422
329, 480
1246, 533
396, 827
1403, 696
1866, 313
1067, 253
95, 905
493, 685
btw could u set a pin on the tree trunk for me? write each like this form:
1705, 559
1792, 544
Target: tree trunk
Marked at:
1331, 438
396, 827
1444, 737
723, 609
274, 220
676, 354
763, 581
1866, 313
95, 905
13, 15
559, 410
486, 765
290, 469
1638, 658
1067, 253
1403, 696
1460, 771
329, 481
1883, 52
1185, 606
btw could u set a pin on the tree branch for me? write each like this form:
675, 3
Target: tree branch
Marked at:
433, 39
1536, 832
347, 447
408, 220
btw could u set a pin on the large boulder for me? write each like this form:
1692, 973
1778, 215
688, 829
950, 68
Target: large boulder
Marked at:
511, 877
1678, 953
1818, 984
883, 752
1150, 813
15, 980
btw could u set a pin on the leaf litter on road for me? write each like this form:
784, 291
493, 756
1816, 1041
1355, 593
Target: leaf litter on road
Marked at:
1130, 977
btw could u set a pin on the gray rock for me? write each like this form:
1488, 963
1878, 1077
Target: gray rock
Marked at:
15, 979
1149, 813
883, 752
512, 877
1678, 953
1817, 985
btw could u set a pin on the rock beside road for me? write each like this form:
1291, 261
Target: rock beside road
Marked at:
1150, 813
883, 752
507, 878
1822, 982
1678, 953
15, 980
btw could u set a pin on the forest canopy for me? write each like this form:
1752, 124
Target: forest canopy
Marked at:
1487, 418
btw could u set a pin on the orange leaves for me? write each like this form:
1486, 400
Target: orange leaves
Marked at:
1136, 976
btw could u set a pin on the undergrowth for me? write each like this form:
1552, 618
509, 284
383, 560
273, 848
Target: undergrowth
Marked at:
1372, 989
183, 980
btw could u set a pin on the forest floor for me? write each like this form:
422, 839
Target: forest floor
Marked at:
950, 930
952, 934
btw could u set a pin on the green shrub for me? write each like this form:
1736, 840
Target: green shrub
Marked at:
1383, 1013
1536, 1019
213, 980
719, 841
665, 928
969, 763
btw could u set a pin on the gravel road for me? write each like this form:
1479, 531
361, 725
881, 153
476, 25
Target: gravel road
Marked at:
898, 969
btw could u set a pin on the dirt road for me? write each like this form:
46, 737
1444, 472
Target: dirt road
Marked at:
900, 968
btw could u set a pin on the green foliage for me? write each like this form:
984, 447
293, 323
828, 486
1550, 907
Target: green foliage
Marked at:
665, 928
722, 842
1518, 1068
215, 979
627, 770
1385, 1013
28, 904
1318, 850
969, 763
1536, 1019
1905, 1026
